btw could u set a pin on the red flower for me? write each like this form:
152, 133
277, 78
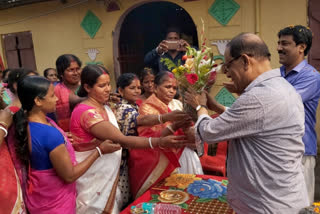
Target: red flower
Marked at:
185, 57
192, 78
212, 77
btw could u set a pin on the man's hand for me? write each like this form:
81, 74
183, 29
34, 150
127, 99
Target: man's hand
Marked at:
162, 47
183, 45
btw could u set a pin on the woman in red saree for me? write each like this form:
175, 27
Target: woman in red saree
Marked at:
147, 167
11, 200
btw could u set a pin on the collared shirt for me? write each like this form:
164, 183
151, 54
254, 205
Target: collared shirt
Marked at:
152, 59
264, 127
306, 80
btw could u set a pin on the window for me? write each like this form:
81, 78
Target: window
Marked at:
19, 51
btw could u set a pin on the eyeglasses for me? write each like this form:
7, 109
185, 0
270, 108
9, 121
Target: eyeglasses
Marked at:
225, 67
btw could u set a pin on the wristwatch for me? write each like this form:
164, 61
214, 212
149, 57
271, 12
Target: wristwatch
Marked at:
199, 107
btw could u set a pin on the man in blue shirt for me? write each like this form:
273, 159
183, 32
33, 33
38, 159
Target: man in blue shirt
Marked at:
293, 45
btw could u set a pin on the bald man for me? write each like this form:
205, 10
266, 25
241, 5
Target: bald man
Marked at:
264, 128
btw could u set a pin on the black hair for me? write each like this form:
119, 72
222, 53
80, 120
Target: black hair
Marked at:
89, 76
160, 77
300, 34
125, 80
64, 61
245, 44
17, 74
29, 88
46, 72
173, 29
146, 71
4, 73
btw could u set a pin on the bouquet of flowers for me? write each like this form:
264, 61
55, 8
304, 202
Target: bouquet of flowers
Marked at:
198, 72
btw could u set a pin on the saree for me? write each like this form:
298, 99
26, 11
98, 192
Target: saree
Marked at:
41, 197
97, 188
148, 166
63, 106
11, 200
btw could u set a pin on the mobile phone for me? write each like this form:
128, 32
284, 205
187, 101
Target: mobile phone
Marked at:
173, 45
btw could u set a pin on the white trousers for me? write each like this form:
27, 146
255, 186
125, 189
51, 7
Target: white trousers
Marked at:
309, 163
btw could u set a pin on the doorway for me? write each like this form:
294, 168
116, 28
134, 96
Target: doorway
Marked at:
143, 27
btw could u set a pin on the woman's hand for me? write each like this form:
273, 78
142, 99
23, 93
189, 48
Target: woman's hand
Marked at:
185, 123
6, 117
108, 146
176, 115
172, 141
192, 98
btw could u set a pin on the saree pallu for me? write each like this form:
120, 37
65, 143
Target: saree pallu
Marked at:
63, 106
148, 166
11, 200
97, 188
47, 192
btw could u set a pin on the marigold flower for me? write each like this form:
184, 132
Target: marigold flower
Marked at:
181, 181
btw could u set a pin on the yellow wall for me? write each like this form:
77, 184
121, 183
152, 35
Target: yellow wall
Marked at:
59, 32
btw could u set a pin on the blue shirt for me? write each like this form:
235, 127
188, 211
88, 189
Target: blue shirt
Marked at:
44, 139
306, 80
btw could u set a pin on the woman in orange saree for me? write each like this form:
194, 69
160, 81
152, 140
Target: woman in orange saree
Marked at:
147, 167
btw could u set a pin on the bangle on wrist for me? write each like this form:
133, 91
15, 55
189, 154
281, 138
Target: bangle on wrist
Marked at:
160, 118
98, 149
159, 144
150, 142
170, 129
4, 124
5, 131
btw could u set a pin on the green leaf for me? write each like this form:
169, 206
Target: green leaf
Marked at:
154, 201
154, 196
184, 206
225, 182
223, 199
203, 200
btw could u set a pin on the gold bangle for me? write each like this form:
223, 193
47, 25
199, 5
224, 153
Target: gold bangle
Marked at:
4, 124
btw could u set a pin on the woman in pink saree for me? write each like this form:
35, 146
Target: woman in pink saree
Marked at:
97, 189
46, 151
